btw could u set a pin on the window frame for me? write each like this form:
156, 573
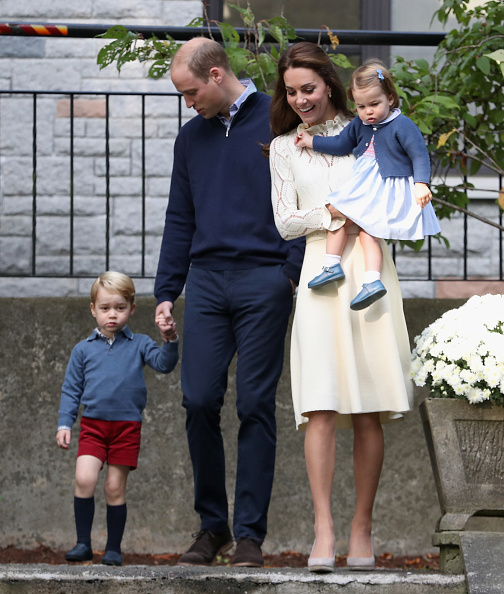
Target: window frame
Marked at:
375, 15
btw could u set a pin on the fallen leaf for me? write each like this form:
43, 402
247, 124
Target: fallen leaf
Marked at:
500, 200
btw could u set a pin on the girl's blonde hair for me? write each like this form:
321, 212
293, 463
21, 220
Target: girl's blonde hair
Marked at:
373, 73
114, 282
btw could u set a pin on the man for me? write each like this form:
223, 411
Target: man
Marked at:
221, 241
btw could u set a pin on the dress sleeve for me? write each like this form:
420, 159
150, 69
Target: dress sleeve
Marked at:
291, 222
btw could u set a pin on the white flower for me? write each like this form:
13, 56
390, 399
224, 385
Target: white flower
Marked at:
461, 354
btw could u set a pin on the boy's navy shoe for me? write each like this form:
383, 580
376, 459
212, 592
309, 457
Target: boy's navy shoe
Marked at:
328, 275
369, 293
206, 546
112, 558
80, 552
247, 554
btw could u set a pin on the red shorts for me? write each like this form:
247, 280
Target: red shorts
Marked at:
115, 442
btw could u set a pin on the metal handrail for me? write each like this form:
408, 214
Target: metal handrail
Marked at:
346, 37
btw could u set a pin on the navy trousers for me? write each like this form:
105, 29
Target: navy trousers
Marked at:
227, 312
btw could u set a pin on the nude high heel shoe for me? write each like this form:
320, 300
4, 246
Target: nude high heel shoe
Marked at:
321, 565
362, 563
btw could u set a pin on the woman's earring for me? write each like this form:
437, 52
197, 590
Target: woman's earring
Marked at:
330, 94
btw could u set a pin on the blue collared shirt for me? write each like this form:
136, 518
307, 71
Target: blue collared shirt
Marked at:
233, 110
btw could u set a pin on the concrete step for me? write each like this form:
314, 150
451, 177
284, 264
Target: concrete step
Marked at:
167, 579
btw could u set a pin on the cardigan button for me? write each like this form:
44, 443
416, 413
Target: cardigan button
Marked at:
375, 129
367, 143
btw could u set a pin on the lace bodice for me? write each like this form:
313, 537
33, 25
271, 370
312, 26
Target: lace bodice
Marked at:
301, 180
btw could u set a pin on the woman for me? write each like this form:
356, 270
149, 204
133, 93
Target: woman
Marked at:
348, 368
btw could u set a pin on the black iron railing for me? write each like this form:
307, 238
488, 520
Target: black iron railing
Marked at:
476, 250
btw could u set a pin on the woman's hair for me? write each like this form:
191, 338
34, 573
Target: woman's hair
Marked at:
114, 282
373, 73
304, 55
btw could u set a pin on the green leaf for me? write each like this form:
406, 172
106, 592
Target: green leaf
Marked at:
470, 119
498, 56
283, 23
114, 52
159, 69
230, 35
474, 167
197, 22
119, 32
238, 59
261, 34
340, 60
423, 65
424, 128
483, 64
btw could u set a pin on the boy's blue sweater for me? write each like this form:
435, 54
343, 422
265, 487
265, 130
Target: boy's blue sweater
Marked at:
108, 379
399, 146
219, 215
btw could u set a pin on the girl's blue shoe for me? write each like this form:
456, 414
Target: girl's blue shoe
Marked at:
369, 293
329, 274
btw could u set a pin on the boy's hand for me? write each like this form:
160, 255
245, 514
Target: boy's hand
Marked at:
168, 329
63, 438
423, 194
304, 140
165, 322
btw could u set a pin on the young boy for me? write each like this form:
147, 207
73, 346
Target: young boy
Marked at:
105, 374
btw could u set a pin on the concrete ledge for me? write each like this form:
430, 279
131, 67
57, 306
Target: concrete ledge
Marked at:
184, 580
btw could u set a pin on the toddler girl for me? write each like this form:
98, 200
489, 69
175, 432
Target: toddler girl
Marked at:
388, 195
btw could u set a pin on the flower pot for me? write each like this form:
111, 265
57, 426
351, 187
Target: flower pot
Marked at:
466, 448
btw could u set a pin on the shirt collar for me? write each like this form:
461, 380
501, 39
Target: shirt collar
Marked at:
98, 334
395, 112
233, 109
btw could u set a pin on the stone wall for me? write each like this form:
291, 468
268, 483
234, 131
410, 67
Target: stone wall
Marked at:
66, 64
36, 478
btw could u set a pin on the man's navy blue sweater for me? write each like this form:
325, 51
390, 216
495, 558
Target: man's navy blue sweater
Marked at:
219, 214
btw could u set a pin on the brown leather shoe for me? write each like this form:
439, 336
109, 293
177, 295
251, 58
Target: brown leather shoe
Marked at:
206, 546
247, 554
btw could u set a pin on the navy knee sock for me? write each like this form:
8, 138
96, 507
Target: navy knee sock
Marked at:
84, 513
116, 521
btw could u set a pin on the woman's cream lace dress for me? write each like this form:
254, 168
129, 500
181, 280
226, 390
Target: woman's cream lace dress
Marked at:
342, 360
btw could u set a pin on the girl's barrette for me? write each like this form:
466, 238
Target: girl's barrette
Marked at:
380, 74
